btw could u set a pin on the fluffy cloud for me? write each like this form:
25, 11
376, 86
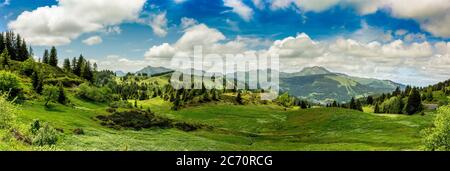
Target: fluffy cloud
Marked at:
60, 24
433, 16
119, 63
159, 24
93, 40
398, 60
240, 8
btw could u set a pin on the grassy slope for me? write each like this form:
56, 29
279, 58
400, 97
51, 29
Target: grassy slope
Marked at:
252, 127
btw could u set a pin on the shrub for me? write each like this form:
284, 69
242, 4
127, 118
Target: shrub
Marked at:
46, 135
394, 105
87, 92
35, 126
27, 67
78, 131
10, 83
8, 111
438, 137
51, 94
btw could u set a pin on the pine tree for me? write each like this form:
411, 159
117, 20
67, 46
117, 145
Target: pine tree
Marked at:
53, 60
45, 57
2, 41
86, 72
370, 100
352, 104
66, 66
62, 99
79, 65
377, 108
37, 82
414, 103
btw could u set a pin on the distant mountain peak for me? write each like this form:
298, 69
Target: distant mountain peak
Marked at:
151, 70
315, 70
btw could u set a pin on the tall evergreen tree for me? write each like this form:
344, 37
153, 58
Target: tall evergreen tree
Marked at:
79, 65
86, 72
414, 103
37, 82
377, 108
45, 57
62, 99
66, 66
370, 100
53, 60
2, 42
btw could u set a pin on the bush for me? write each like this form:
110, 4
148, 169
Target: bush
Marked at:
9, 83
51, 94
438, 137
8, 112
78, 131
46, 135
121, 104
95, 94
394, 106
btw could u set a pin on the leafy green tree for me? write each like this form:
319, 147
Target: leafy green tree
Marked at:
438, 137
414, 103
4, 58
394, 105
53, 60
9, 83
51, 94
45, 57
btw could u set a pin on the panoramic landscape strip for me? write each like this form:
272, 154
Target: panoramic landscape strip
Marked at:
224, 75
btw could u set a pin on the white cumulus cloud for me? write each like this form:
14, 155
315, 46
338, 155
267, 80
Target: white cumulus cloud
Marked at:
240, 8
60, 24
93, 40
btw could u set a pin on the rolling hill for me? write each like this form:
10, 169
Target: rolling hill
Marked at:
319, 84
150, 70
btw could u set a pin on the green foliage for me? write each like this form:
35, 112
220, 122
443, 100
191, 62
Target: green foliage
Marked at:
46, 135
51, 94
62, 99
66, 65
45, 57
414, 103
10, 83
27, 67
53, 60
36, 81
286, 100
394, 105
4, 59
92, 93
438, 137
8, 112
35, 126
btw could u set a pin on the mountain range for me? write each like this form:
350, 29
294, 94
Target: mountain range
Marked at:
319, 84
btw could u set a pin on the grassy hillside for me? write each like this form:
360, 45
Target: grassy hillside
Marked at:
235, 127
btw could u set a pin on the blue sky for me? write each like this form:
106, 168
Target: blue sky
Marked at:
323, 22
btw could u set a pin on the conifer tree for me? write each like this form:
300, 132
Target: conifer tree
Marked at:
45, 57
414, 103
37, 82
62, 99
53, 60
66, 65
